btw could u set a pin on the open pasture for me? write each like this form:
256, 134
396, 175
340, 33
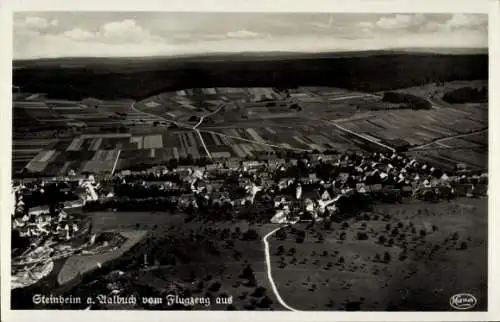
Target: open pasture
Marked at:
203, 259
335, 269
418, 127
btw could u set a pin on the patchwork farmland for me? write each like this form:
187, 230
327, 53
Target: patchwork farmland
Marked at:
220, 123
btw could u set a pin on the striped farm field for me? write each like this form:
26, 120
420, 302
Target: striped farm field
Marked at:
255, 135
137, 140
153, 142
96, 143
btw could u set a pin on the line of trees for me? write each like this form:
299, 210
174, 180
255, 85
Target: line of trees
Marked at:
412, 101
466, 95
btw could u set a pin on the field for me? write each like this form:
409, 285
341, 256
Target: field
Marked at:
421, 127
192, 257
83, 264
250, 122
335, 272
430, 247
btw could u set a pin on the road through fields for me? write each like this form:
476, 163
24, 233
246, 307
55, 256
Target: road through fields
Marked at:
269, 271
458, 136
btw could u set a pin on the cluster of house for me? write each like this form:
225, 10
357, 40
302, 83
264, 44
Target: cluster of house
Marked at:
317, 189
375, 174
42, 221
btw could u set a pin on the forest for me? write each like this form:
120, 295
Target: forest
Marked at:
126, 78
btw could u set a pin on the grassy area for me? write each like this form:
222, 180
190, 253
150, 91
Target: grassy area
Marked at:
79, 265
437, 250
194, 258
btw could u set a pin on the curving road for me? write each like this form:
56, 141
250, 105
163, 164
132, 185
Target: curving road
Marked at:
269, 271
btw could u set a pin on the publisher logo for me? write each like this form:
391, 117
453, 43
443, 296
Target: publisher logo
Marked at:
463, 301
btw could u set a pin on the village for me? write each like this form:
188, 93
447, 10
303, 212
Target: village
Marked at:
48, 219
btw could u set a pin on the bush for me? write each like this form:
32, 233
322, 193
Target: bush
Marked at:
382, 239
463, 246
247, 272
265, 302
214, 287
387, 257
259, 292
362, 236
250, 234
281, 234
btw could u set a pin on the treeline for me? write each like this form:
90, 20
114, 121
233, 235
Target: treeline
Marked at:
413, 102
364, 73
466, 95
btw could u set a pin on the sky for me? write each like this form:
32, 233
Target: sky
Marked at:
133, 34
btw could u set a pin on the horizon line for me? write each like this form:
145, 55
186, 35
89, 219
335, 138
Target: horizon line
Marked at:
417, 49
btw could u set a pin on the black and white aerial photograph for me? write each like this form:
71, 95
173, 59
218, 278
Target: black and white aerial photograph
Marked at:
246, 161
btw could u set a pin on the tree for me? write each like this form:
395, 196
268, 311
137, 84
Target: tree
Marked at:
362, 235
341, 259
265, 302
259, 292
387, 257
382, 239
248, 274
281, 234
280, 250
250, 234
342, 236
214, 287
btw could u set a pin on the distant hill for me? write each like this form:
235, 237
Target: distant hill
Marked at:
76, 62
136, 78
449, 51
